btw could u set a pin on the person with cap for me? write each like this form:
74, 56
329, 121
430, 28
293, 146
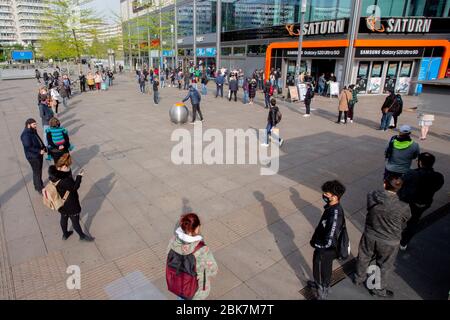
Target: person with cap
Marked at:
400, 152
419, 187
34, 149
195, 98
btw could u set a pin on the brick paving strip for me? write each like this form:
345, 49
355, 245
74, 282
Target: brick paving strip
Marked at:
6, 282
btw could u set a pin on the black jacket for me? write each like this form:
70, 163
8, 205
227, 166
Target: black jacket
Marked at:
46, 113
386, 216
66, 183
326, 234
32, 145
233, 85
420, 185
272, 117
308, 96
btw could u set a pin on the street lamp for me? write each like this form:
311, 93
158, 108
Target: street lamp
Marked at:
300, 41
112, 60
195, 33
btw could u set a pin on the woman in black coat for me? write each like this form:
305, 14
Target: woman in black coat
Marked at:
252, 90
62, 175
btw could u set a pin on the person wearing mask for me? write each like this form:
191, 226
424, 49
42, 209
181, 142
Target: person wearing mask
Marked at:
233, 86
220, 80
67, 187
386, 218
325, 237
419, 187
91, 81
400, 152
187, 240
195, 98
344, 100
34, 149
308, 98
273, 119
63, 92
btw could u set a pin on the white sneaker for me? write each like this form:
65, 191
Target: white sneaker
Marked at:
264, 144
351, 121
281, 142
403, 248
343, 121
306, 115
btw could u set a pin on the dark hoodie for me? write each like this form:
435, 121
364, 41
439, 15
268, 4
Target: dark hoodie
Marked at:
386, 217
72, 205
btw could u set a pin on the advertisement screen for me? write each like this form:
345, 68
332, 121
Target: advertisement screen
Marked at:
22, 55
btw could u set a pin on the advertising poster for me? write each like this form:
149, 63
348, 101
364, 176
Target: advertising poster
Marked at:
377, 70
375, 85
334, 89
302, 90
403, 84
405, 71
391, 77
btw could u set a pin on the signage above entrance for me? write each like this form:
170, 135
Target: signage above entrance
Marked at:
396, 25
375, 52
317, 28
318, 53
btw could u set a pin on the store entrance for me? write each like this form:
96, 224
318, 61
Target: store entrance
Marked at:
319, 66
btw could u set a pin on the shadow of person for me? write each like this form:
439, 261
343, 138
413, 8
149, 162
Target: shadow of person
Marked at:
186, 206
91, 212
284, 238
84, 155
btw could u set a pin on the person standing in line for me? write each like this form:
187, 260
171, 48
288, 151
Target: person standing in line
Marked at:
38, 75
273, 119
387, 109
195, 98
419, 187
220, 80
325, 238
187, 240
268, 92
352, 102
82, 79
55, 99
234, 87
67, 187
204, 84
252, 90
400, 152
142, 82
396, 110
46, 78
58, 140
62, 89
46, 113
186, 80
245, 87
308, 98
344, 100
34, 150
156, 91
90, 81
322, 83
386, 218
98, 81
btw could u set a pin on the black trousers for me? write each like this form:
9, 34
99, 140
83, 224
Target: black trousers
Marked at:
323, 266
82, 86
36, 167
384, 254
340, 115
231, 95
350, 111
395, 116
75, 223
308, 107
411, 227
195, 109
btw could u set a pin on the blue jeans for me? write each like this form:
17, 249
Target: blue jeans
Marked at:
321, 89
163, 83
246, 100
44, 134
385, 120
65, 101
267, 100
219, 89
156, 97
241, 82
204, 89
268, 132
142, 87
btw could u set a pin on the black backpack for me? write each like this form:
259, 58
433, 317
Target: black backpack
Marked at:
343, 244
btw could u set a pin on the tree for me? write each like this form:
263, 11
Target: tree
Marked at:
68, 23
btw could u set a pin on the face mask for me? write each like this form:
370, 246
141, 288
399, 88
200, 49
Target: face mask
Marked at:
326, 199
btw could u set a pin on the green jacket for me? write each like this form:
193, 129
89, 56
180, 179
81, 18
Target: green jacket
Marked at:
184, 244
354, 96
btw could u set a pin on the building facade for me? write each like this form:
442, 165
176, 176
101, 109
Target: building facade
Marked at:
20, 21
396, 42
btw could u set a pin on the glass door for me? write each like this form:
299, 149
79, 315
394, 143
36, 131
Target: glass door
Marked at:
363, 74
375, 77
391, 76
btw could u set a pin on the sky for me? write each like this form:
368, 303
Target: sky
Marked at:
104, 7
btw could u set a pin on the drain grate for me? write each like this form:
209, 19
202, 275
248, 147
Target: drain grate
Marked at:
337, 276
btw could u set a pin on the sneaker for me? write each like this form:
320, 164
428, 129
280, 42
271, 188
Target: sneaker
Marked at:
306, 115
281, 142
312, 285
351, 121
264, 144
342, 120
87, 238
384, 293
403, 248
66, 236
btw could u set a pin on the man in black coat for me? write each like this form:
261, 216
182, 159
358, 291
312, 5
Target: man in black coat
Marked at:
308, 98
419, 187
34, 150
233, 86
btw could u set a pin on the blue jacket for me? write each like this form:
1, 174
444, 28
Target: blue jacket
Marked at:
194, 96
46, 113
220, 80
31, 144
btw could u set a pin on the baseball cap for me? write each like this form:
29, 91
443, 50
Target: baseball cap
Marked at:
405, 129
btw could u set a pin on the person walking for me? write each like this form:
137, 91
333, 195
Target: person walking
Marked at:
419, 187
234, 87
142, 82
63, 92
67, 187
325, 237
38, 75
156, 91
387, 110
386, 218
425, 122
344, 99
186, 80
321, 83
34, 150
268, 92
91, 81
252, 90
195, 98
204, 84
245, 87
46, 78
273, 119
352, 102
58, 140
220, 80
82, 79
188, 241
400, 152
308, 98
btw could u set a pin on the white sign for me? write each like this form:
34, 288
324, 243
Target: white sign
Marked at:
403, 85
375, 85
334, 89
302, 90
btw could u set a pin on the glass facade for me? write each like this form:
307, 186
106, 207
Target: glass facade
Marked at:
407, 8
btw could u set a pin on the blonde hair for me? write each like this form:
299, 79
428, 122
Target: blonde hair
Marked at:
65, 160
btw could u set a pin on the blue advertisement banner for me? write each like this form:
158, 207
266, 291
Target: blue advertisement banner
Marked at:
206, 52
22, 55
168, 53
429, 70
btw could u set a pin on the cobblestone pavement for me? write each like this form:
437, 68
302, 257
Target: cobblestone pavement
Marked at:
257, 226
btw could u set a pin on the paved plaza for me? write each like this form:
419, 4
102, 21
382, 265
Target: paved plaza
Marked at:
258, 227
